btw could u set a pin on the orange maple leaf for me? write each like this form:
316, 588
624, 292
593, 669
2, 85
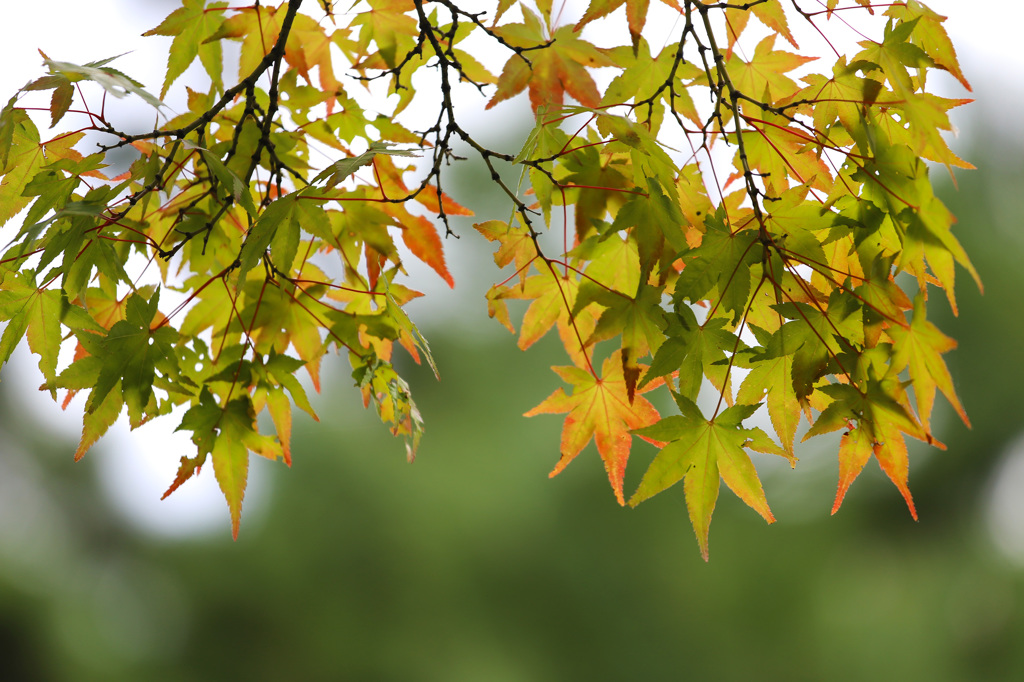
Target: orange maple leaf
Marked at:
599, 408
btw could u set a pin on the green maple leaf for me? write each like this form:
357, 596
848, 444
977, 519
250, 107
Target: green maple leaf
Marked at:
841, 97
343, 168
928, 237
279, 215
230, 455
613, 266
654, 221
930, 36
700, 452
95, 254
817, 335
883, 299
227, 434
276, 376
640, 320
643, 75
34, 313
110, 79
598, 187
230, 181
131, 353
793, 223
920, 347
97, 422
695, 351
26, 156
191, 25
282, 316
721, 263
201, 419
894, 54
773, 374
53, 191
922, 117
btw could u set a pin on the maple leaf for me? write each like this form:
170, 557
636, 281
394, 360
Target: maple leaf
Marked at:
98, 422
655, 221
881, 418
390, 395
110, 79
773, 374
721, 264
855, 449
920, 347
597, 188
258, 28
551, 73
930, 36
26, 156
841, 97
553, 297
636, 14
921, 118
515, 244
894, 54
638, 317
131, 353
418, 233
278, 316
309, 47
639, 320
763, 74
598, 408
226, 434
388, 25
191, 24
279, 215
700, 452
771, 14
34, 313
643, 75
694, 351
280, 369
779, 151
816, 335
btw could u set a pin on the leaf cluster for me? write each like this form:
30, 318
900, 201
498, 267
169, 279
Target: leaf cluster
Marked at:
783, 261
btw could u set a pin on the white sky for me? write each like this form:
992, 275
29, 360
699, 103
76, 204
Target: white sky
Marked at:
138, 466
